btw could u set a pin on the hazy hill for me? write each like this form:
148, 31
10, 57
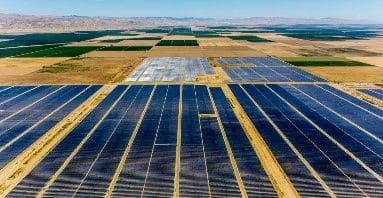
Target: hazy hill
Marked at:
13, 23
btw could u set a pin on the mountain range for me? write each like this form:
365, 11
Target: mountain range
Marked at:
16, 23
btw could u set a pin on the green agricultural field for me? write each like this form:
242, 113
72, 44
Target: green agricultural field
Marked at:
178, 43
53, 38
250, 38
112, 41
126, 48
322, 61
154, 30
62, 52
206, 34
23, 50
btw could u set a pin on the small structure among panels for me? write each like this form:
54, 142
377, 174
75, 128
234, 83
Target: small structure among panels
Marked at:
171, 69
264, 69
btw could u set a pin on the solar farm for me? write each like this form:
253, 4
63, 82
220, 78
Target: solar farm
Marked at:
188, 126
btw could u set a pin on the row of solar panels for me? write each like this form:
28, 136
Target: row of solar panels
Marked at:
326, 141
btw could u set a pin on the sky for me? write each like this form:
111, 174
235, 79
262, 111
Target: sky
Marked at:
346, 9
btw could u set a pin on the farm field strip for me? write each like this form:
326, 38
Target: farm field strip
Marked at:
309, 139
25, 127
376, 93
178, 43
62, 51
20, 51
166, 69
126, 48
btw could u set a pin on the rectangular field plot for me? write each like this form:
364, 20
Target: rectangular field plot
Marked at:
323, 61
325, 140
166, 69
250, 38
127, 147
181, 31
27, 113
376, 93
126, 48
264, 69
8, 52
178, 43
61, 52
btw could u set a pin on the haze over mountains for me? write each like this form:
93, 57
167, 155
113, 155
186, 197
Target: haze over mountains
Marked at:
13, 23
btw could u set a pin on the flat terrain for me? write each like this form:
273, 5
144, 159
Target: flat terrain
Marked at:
323, 61
353, 74
111, 114
23, 66
62, 51
78, 70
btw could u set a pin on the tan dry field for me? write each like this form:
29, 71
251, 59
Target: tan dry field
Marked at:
137, 43
78, 71
348, 74
217, 42
103, 38
115, 54
374, 45
178, 37
376, 60
22, 66
121, 43
89, 43
273, 49
198, 51
290, 41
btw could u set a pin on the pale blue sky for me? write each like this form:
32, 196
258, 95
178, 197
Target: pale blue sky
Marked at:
349, 9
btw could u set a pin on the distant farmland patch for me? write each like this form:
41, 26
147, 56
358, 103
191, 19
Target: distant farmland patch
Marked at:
62, 52
181, 31
52, 38
250, 38
126, 48
23, 50
112, 41
154, 30
145, 38
323, 61
206, 34
178, 43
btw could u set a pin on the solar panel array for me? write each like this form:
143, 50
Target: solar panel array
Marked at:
376, 93
113, 135
28, 112
325, 140
170, 69
264, 69
150, 140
